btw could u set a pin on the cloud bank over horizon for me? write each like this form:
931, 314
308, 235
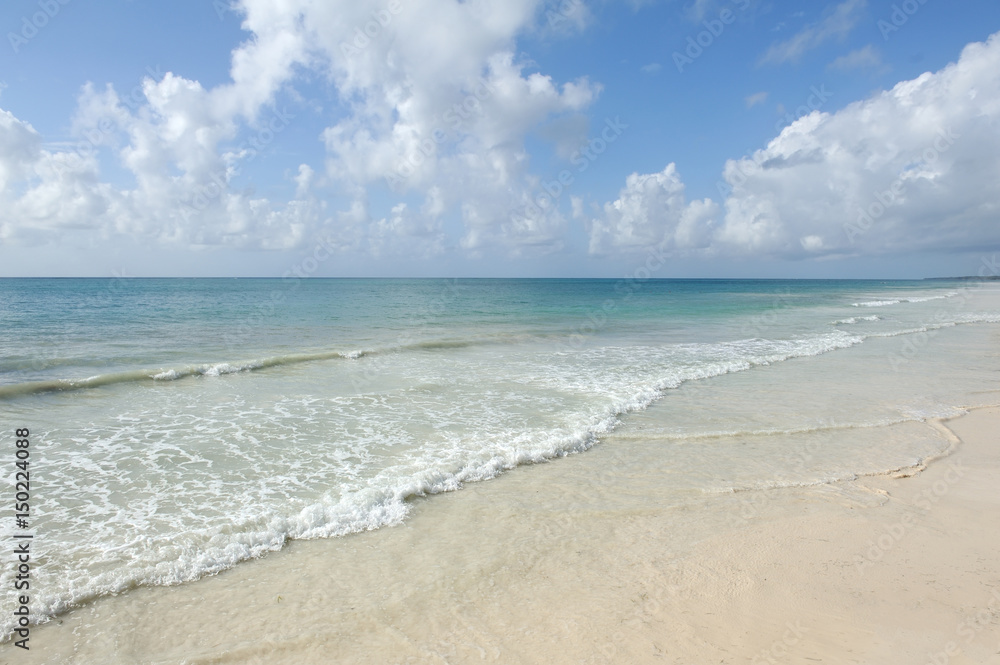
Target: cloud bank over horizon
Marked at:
436, 136
914, 168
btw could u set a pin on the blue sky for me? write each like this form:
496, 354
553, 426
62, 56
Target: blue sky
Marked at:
714, 138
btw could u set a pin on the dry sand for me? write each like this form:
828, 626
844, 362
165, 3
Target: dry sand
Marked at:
538, 567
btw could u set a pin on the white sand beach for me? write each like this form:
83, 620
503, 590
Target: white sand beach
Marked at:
885, 569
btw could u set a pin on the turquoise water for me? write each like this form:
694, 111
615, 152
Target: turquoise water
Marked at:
181, 426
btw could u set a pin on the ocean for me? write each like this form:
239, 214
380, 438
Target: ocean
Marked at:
182, 426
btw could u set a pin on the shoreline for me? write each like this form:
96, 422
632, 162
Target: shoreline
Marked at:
896, 567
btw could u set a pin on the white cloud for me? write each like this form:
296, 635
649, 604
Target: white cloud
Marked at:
565, 18
436, 103
651, 211
755, 99
439, 104
171, 143
862, 58
696, 225
404, 233
912, 169
19, 145
646, 213
836, 24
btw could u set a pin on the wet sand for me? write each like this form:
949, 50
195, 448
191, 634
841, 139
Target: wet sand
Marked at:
541, 567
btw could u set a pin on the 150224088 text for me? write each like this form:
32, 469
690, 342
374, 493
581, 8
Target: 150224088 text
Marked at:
22, 538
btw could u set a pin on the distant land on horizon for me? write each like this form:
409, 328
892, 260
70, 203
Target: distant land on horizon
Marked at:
987, 277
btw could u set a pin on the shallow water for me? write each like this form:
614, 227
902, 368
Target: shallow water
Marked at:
182, 426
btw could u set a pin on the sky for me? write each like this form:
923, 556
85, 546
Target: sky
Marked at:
500, 138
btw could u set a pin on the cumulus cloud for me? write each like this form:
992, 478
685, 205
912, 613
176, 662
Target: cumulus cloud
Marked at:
432, 116
171, 141
439, 101
433, 105
911, 169
837, 23
406, 233
651, 211
19, 145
